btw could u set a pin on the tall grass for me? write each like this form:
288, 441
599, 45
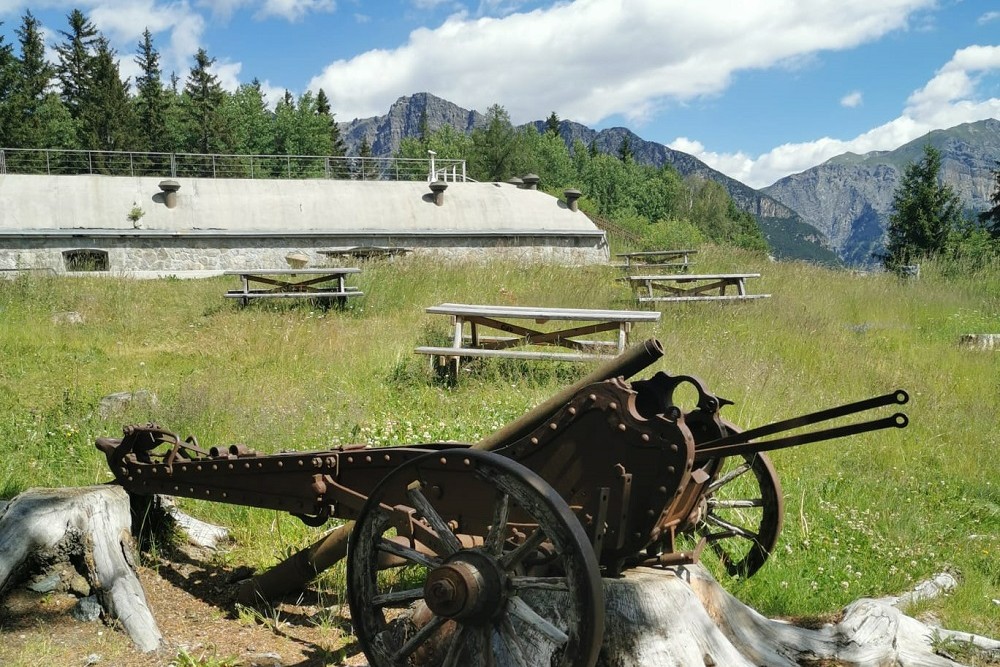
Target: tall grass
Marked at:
866, 516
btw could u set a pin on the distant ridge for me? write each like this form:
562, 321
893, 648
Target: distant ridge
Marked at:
849, 197
789, 235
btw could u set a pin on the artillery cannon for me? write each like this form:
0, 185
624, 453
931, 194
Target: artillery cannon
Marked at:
606, 475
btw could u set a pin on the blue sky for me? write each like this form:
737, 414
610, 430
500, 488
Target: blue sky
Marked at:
758, 89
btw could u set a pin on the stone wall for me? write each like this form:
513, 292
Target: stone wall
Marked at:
178, 255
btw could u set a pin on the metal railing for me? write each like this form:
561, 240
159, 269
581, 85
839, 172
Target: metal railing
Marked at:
56, 161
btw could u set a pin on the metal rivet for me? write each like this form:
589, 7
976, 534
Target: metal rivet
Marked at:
387, 458
645, 437
281, 464
670, 469
593, 397
553, 426
350, 459
534, 441
622, 427
443, 461
368, 459
467, 462
572, 410
662, 489
613, 405
673, 448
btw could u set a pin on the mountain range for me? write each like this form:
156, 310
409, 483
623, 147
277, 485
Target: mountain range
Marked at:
833, 213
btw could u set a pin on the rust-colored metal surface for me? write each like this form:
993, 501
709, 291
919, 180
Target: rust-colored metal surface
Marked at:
606, 475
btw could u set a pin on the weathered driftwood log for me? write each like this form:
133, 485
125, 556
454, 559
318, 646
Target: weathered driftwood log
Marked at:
53, 525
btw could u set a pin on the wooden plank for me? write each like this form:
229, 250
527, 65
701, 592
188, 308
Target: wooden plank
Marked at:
688, 277
510, 354
729, 297
520, 312
235, 294
292, 272
489, 341
657, 253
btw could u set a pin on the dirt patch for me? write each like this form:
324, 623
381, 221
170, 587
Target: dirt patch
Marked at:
194, 603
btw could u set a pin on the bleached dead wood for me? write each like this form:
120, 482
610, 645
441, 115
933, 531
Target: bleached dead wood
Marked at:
682, 617
50, 525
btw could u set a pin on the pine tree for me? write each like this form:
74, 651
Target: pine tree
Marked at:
925, 213
150, 99
625, 150
107, 118
204, 95
552, 124
8, 78
497, 148
77, 56
29, 91
337, 146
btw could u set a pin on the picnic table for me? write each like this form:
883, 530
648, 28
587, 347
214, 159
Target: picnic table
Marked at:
574, 324
327, 286
366, 252
678, 260
691, 287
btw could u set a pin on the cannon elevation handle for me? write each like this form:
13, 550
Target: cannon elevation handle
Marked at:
625, 365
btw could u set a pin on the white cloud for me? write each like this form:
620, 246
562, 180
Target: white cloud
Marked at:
228, 73
852, 99
950, 98
294, 10
988, 17
592, 59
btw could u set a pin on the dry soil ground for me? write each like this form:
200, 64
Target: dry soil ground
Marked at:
193, 600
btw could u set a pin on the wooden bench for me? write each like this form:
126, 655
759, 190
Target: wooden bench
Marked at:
675, 260
577, 323
326, 286
691, 287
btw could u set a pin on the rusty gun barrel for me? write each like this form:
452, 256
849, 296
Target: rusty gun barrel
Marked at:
625, 365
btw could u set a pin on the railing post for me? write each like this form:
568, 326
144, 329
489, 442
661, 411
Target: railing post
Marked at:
214, 175
173, 165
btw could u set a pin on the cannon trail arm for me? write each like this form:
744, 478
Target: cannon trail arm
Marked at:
743, 442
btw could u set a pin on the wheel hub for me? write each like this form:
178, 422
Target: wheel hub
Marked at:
469, 587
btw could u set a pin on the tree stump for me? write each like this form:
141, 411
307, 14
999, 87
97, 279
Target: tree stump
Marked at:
681, 617
91, 527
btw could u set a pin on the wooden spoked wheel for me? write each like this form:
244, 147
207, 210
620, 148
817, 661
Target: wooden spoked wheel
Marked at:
743, 512
463, 557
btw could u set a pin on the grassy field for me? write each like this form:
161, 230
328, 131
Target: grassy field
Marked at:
866, 516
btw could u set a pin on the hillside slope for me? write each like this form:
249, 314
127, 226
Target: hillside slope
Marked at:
849, 197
